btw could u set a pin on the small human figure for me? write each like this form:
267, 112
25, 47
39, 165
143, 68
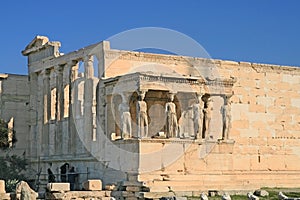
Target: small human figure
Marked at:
171, 124
125, 118
198, 117
63, 172
142, 118
72, 178
207, 117
226, 115
51, 176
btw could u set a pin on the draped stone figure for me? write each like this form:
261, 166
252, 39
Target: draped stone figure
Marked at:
171, 123
125, 118
142, 118
207, 117
226, 115
198, 117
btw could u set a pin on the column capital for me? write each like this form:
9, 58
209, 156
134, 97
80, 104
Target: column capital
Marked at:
88, 66
45, 73
88, 58
72, 63
59, 69
142, 92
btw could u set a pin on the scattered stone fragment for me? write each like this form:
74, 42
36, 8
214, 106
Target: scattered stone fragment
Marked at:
226, 196
110, 187
24, 192
261, 193
251, 196
213, 193
180, 198
203, 196
281, 196
167, 198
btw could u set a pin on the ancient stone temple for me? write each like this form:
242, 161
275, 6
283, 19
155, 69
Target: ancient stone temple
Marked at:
169, 122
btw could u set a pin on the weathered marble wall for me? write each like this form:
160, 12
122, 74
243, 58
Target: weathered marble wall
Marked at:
14, 104
263, 147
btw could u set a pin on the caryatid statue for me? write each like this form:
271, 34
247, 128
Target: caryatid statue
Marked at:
142, 118
171, 123
125, 117
198, 116
226, 115
207, 116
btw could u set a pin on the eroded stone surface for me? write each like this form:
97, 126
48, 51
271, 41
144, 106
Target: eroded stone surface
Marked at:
92, 185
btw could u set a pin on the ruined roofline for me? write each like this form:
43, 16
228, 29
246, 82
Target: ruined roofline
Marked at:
39, 43
103, 47
3, 76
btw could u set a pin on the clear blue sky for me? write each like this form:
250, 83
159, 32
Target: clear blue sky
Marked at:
241, 30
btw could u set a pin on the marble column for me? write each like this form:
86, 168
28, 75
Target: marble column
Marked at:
59, 109
88, 99
65, 108
46, 112
53, 117
73, 67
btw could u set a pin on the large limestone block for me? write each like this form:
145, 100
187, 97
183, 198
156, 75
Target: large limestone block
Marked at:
24, 192
5, 196
2, 186
92, 185
56, 187
159, 189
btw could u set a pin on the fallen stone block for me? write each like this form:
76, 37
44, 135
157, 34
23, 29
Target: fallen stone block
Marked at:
133, 188
108, 198
261, 193
168, 198
226, 197
203, 196
180, 198
58, 187
2, 186
252, 196
5, 196
159, 189
110, 187
281, 196
92, 185
25, 192
213, 193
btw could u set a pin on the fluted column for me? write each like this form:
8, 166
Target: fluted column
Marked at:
73, 67
88, 99
46, 112
59, 109
64, 117
53, 117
